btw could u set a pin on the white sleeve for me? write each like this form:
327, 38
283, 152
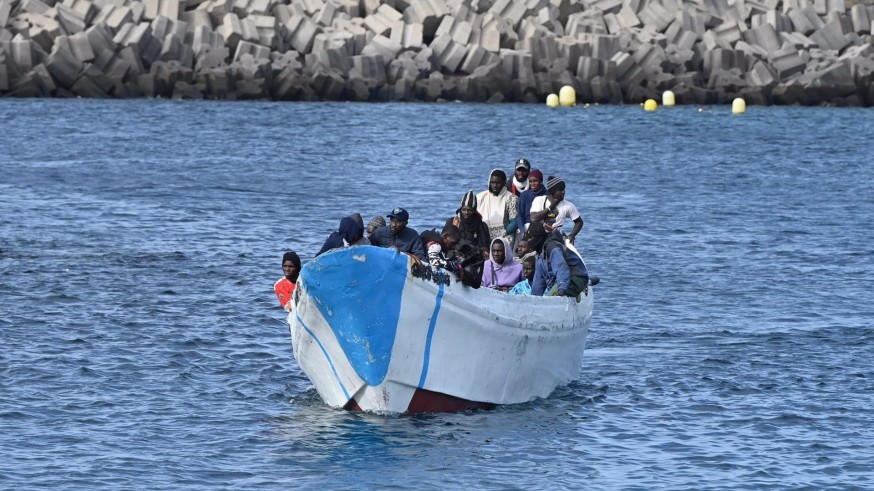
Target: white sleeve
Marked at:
571, 213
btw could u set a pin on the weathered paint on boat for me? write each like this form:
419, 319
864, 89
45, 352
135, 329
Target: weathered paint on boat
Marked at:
378, 331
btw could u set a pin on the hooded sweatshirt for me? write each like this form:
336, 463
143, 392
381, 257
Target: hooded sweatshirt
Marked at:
497, 211
350, 233
504, 275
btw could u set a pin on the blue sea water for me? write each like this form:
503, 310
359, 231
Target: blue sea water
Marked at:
141, 345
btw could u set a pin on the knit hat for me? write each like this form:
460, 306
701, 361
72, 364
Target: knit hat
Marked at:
554, 184
375, 223
469, 201
537, 174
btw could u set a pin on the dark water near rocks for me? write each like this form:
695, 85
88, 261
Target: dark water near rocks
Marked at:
141, 346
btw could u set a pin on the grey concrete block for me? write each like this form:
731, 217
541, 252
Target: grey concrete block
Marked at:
655, 17
511, 10
787, 62
730, 31
407, 35
761, 75
805, 20
119, 17
254, 50
476, 57
797, 40
300, 32
34, 7
5, 10
764, 36
860, 20
81, 47
231, 30
62, 63
428, 13
382, 46
830, 36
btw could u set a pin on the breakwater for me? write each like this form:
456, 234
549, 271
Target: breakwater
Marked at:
610, 51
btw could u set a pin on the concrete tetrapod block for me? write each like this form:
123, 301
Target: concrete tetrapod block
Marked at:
831, 36
760, 75
5, 10
764, 36
858, 15
476, 57
231, 30
62, 63
787, 62
655, 17
428, 13
246, 48
300, 33
382, 46
407, 35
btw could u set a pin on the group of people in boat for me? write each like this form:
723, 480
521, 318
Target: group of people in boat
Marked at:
512, 232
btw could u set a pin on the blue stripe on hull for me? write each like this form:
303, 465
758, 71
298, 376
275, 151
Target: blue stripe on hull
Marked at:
431, 326
324, 352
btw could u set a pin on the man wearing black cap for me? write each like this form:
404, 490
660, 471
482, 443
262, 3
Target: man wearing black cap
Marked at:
397, 235
554, 210
520, 177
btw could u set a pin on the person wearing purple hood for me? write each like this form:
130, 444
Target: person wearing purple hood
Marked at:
501, 271
350, 233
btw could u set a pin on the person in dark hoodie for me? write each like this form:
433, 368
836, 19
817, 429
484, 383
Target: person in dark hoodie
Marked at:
474, 232
350, 233
399, 236
558, 271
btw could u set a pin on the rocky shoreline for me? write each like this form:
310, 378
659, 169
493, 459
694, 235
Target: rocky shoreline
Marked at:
610, 51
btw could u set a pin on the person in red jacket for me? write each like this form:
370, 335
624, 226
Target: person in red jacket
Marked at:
284, 288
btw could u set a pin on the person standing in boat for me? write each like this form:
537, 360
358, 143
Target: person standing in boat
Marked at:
474, 232
284, 288
520, 177
528, 267
398, 236
558, 271
554, 210
350, 233
497, 206
501, 271
523, 206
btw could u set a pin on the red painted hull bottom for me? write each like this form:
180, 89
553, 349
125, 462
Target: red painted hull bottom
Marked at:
425, 401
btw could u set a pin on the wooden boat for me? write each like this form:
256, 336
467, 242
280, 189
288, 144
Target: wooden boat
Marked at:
379, 331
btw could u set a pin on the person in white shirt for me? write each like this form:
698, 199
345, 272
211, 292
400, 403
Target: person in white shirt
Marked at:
554, 210
498, 207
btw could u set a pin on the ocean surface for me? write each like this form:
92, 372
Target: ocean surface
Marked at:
142, 347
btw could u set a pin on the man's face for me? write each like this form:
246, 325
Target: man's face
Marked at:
496, 184
290, 271
523, 248
397, 226
535, 183
467, 212
557, 196
498, 252
449, 241
521, 174
528, 270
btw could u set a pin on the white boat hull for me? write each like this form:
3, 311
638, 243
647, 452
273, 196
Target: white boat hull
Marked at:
373, 336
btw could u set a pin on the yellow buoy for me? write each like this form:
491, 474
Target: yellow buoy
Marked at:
668, 98
567, 96
650, 105
738, 106
552, 100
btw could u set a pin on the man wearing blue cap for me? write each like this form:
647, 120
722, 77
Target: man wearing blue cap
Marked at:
397, 235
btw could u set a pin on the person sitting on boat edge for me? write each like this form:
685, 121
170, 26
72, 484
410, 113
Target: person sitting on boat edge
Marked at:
524, 286
519, 182
501, 271
284, 288
349, 233
375, 223
497, 205
523, 204
474, 232
439, 246
554, 210
558, 270
398, 236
